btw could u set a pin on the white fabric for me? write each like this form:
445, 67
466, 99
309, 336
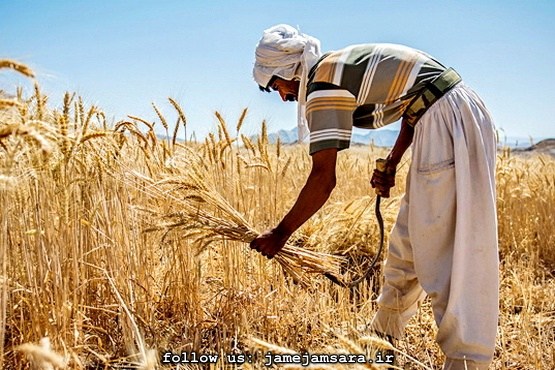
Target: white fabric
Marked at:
444, 243
285, 52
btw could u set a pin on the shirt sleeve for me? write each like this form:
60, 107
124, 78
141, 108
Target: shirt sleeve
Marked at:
330, 119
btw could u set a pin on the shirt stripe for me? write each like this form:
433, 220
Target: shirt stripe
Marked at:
331, 133
325, 93
338, 73
369, 76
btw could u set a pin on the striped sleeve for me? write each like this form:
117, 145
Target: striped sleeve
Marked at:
330, 119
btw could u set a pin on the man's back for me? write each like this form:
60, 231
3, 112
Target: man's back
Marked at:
380, 77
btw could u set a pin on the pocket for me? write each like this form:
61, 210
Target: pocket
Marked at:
430, 168
434, 150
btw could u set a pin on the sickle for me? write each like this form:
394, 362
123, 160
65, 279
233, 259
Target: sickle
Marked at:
355, 282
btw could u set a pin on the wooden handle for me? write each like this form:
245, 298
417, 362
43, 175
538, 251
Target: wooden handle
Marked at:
380, 164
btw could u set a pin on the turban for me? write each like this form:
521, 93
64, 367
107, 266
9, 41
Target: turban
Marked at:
285, 52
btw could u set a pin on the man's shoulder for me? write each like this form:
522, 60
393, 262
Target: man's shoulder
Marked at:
370, 46
383, 48
357, 53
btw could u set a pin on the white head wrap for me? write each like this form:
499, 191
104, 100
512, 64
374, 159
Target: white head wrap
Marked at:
285, 52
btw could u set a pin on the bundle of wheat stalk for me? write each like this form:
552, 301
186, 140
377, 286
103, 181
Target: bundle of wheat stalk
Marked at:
206, 217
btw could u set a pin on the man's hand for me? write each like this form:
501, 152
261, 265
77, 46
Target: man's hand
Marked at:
383, 180
270, 242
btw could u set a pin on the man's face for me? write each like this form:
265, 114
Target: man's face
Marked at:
288, 90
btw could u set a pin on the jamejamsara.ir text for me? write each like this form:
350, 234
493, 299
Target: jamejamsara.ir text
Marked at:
270, 359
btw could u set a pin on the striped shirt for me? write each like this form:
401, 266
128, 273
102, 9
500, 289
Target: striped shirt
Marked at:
368, 86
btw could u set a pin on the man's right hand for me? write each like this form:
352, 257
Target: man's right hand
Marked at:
270, 242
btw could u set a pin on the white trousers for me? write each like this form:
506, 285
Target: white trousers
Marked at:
444, 243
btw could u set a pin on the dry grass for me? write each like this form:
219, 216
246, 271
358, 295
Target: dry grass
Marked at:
118, 245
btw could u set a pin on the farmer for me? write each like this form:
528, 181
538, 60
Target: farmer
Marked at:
444, 242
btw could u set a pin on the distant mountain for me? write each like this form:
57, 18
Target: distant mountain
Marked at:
381, 137
285, 136
546, 146
386, 138
519, 142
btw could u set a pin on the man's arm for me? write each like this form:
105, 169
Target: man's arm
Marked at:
401, 145
312, 197
384, 180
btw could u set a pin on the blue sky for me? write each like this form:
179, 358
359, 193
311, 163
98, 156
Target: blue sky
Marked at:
124, 55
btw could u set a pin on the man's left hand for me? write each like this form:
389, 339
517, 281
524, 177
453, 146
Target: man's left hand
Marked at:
270, 242
382, 181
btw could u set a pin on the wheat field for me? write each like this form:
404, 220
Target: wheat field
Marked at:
120, 249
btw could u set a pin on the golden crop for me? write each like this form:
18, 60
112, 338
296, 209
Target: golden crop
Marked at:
116, 245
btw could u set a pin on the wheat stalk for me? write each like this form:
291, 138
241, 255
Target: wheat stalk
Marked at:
8, 103
26, 131
241, 120
17, 66
181, 116
162, 118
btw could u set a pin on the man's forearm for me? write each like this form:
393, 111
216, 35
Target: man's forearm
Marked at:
314, 194
401, 145
312, 197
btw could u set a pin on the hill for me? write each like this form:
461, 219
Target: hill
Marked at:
546, 146
381, 137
